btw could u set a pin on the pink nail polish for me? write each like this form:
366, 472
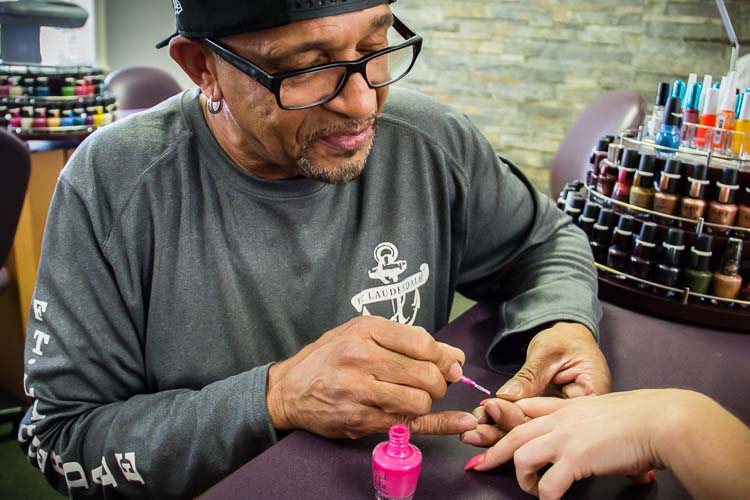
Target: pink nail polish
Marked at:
483, 402
651, 476
474, 461
395, 465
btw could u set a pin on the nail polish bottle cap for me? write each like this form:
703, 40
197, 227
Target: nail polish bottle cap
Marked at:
729, 176
672, 112
746, 196
647, 163
603, 143
744, 113
693, 96
678, 89
574, 202
673, 166
625, 224
675, 237
606, 218
630, 158
730, 261
591, 211
649, 232
707, 81
701, 252
711, 104
729, 103
662, 93
670, 176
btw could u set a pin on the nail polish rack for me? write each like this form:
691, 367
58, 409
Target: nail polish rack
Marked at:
654, 298
54, 102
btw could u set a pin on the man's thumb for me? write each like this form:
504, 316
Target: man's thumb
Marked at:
526, 383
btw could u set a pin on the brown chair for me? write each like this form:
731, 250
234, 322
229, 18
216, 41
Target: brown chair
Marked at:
140, 87
608, 114
15, 168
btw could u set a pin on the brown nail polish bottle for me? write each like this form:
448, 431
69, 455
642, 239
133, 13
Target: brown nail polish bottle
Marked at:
722, 210
666, 199
642, 258
597, 155
642, 192
693, 206
726, 281
619, 252
627, 168
743, 211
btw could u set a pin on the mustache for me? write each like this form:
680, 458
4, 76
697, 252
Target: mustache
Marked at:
339, 128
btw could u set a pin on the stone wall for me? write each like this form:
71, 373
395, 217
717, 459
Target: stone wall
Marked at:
523, 70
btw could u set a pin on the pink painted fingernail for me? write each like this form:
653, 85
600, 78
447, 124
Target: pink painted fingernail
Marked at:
483, 402
474, 461
651, 476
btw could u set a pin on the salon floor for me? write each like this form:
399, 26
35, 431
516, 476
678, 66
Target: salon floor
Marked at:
20, 481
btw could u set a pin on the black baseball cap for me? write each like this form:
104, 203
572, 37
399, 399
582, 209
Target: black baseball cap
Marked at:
217, 18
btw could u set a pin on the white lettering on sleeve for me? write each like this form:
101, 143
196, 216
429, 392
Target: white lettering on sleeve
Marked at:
74, 475
30, 391
35, 415
127, 466
41, 459
102, 475
57, 464
39, 309
40, 338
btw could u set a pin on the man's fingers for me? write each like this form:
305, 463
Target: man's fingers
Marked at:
504, 449
538, 407
447, 422
556, 481
484, 436
530, 380
505, 414
398, 369
398, 399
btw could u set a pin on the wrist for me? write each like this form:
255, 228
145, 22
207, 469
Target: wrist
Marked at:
676, 432
275, 400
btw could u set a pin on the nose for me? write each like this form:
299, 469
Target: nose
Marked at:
356, 100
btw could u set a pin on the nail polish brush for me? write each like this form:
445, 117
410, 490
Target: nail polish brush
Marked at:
468, 381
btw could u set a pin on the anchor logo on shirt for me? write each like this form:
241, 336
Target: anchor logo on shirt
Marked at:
387, 271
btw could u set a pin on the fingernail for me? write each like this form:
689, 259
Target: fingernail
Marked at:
482, 402
651, 476
467, 423
511, 388
472, 438
455, 372
474, 461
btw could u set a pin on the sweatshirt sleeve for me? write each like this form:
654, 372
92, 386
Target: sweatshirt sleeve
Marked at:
523, 252
96, 427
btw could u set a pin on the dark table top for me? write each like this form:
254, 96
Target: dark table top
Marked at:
642, 352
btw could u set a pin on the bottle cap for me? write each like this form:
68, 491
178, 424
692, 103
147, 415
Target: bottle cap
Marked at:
630, 158
711, 104
649, 232
700, 172
675, 237
647, 163
707, 81
591, 211
662, 93
673, 166
678, 89
603, 144
574, 202
694, 96
606, 218
728, 92
744, 113
729, 176
672, 112
700, 252
704, 243
625, 224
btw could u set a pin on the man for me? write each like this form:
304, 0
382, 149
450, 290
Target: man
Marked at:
277, 214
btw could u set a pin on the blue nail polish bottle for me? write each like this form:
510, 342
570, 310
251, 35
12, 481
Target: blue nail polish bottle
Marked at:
669, 132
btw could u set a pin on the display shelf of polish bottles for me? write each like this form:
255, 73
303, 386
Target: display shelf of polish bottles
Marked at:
669, 229
54, 102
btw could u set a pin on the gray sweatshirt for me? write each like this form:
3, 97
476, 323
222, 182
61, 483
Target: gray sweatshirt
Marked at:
170, 279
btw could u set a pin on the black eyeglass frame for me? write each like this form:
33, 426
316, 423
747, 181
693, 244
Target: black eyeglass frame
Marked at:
273, 81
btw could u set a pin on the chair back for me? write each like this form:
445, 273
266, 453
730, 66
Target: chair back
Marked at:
610, 113
140, 87
15, 168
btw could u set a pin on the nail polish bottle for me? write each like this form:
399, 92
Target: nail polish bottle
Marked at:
668, 136
588, 218
666, 199
53, 116
574, 205
396, 464
726, 281
722, 210
657, 114
618, 254
28, 86
725, 120
597, 154
626, 175
66, 116
40, 117
693, 206
601, 234
567, 188
668, 262
69, 86
697, 275
743, 211
4, 87
692, 79
16, 90
90, 111
27, 117
642, 259
42, 86
79, 113
691, 115
707, 81
14, 115
642, 192
708, 117
741, 137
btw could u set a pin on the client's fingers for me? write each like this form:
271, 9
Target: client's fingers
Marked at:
484, 436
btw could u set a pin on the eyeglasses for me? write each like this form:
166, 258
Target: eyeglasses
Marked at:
316, 85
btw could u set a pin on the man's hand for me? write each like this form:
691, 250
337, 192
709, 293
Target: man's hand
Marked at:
365, 376
562, 360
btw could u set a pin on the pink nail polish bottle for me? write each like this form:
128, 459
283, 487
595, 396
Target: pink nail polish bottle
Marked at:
395, 466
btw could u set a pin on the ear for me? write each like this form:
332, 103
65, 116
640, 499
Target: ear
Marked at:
198, 63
